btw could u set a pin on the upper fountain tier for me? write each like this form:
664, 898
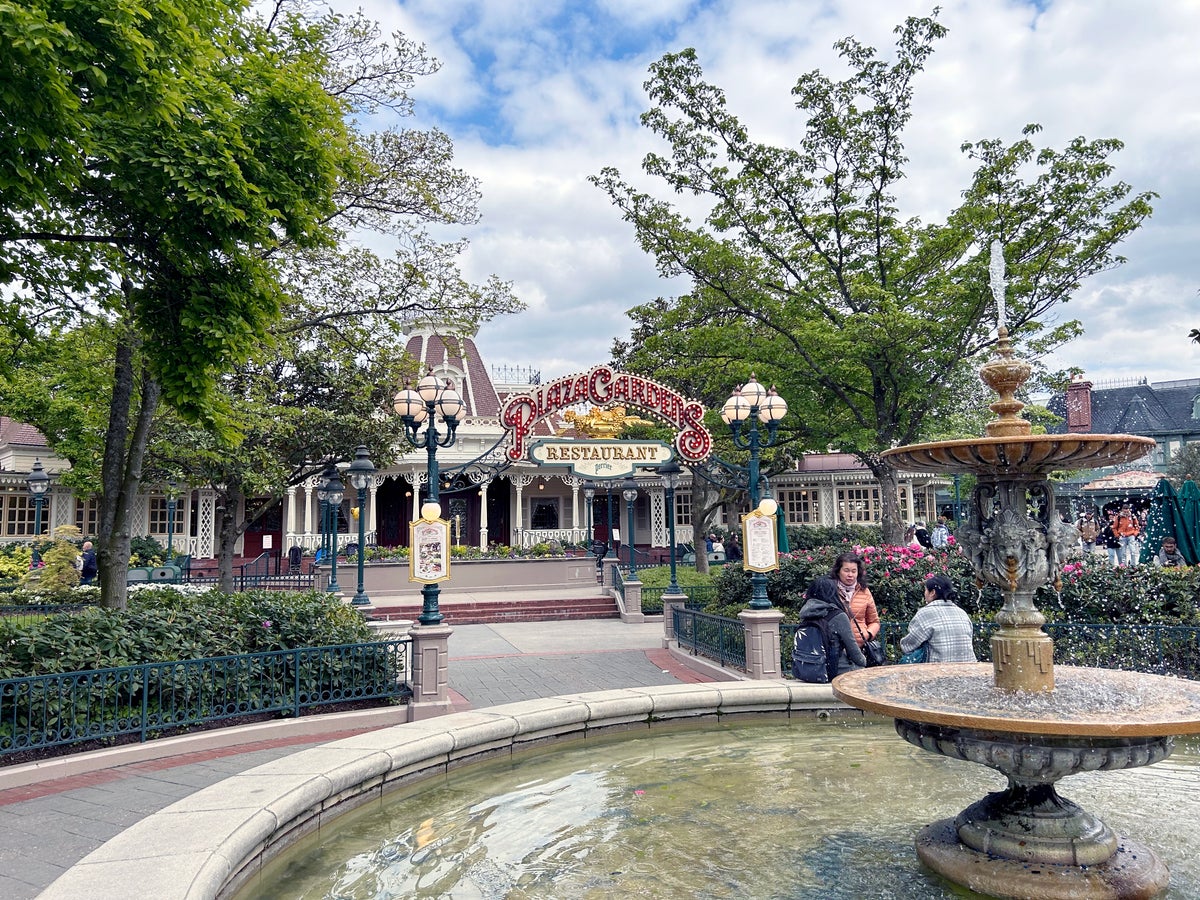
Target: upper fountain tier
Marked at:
1032, 455
1010, 448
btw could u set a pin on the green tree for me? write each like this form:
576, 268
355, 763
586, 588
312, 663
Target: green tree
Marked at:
187, 160
804, 271
1184, 465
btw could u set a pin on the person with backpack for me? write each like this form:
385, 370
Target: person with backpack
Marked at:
824, 646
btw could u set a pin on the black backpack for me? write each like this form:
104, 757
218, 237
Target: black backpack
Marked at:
810, 652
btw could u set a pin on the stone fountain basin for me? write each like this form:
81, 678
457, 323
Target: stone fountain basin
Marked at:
1096, 703
1027, 455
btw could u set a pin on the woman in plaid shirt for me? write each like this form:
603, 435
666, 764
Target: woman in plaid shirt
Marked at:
941, 625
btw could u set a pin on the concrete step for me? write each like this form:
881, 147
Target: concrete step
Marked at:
476, 612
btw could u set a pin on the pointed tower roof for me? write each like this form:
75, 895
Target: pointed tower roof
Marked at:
457, 358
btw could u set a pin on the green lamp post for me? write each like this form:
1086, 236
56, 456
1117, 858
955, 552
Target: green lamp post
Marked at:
421, 407
360, 473
753, 404
38, 483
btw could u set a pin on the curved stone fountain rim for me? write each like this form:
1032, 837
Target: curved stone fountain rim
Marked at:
1033, 454
888, 691
208, 844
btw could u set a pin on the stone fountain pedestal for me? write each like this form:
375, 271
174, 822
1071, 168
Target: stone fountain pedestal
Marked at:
1027, 841
1016, 715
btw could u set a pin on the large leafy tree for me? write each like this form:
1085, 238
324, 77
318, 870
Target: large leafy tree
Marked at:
804, 271
184, 161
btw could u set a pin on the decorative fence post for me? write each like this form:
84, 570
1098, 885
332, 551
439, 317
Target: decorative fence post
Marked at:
762, 643
430, 679
671, 602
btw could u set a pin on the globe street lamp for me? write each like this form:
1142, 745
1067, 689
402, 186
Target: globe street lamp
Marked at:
421, 406
753, 404
589, 493
334, 491
611, 551
669, 473
38, 483
360, 472
323, 511
170, 520
629, 492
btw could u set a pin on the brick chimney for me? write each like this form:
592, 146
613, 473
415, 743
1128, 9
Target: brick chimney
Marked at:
1079, 405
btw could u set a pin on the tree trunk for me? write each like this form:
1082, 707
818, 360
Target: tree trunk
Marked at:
707, 499
893, 524
228, 533
121, 472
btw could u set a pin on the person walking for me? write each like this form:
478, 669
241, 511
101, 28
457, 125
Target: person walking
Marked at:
87, 566
940, 625
1126, 528
1111, 542
1088, 532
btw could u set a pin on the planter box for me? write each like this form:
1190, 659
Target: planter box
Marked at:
471, 575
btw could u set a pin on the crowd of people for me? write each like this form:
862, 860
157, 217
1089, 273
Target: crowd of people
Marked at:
1120, 534
842, 603
941, 631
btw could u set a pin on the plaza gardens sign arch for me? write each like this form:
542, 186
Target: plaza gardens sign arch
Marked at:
601, 386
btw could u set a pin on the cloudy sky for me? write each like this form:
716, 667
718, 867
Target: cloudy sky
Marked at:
540, 94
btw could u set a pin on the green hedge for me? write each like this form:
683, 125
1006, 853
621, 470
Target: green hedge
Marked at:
1092, 591
163, 624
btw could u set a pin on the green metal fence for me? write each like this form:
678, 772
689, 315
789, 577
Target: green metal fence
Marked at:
44, 711
713, 637
28, 613
1156, 649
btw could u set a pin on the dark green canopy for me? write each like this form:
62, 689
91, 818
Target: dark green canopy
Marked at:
1168, 519
1189, 533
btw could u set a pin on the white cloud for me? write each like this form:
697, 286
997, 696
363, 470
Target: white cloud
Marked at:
538, 96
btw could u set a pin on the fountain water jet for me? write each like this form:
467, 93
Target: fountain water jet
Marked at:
1027, 841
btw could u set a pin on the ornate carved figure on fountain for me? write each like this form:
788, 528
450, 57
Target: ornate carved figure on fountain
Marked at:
1027, 841
1062, 540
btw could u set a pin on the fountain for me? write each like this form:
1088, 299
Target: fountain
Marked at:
1022, 718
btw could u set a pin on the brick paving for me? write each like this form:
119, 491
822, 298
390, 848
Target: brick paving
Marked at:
48, 826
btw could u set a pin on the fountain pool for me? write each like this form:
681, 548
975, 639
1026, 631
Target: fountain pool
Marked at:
804, 809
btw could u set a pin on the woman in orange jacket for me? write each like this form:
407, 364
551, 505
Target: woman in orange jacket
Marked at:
850, 573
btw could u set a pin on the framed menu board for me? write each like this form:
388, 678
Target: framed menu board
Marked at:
429, 550
759, 544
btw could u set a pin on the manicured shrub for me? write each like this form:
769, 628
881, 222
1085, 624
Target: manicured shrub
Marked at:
163, 624
1092, 591
14, 561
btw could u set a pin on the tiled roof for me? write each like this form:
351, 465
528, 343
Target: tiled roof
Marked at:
20, 434
477, 391
1148, 409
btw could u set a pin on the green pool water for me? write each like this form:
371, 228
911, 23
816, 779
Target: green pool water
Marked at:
809, 809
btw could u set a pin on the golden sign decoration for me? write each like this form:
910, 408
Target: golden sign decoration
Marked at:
760, 546
429, 558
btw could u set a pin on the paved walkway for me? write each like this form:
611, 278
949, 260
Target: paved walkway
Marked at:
48, 825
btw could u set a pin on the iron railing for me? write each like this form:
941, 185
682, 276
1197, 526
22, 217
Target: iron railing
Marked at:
713, 637
25, 614
1156, 649
43, 711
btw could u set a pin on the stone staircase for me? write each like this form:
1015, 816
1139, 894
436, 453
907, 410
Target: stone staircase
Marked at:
477, 612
